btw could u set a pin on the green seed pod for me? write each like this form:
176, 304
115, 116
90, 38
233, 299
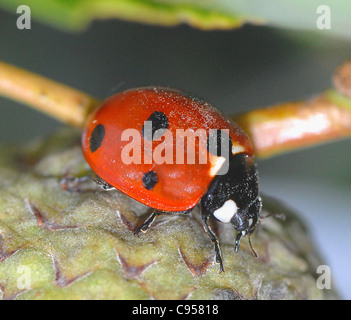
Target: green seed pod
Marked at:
59, 242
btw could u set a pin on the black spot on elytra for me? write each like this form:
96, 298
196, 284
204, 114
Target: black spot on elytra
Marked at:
219, 143
96, 138
150, 179
157, 122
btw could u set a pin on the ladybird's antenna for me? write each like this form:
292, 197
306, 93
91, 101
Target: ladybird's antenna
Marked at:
237, 244
280, 216
252, 248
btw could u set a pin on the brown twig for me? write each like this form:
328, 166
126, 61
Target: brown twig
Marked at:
61, 102
273, 130
295, 125
342, 79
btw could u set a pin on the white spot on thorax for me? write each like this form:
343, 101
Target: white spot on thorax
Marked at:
226, 212
237, 149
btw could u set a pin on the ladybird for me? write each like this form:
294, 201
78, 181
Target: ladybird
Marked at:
171, 151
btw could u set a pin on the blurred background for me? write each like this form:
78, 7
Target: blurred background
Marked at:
236, 70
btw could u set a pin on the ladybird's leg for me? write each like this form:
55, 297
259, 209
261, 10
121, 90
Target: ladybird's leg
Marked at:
103, 184
147, 224
84, 183
149, 221
205, 216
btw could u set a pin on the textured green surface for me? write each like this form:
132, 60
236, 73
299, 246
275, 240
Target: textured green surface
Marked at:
80, 244
205, 14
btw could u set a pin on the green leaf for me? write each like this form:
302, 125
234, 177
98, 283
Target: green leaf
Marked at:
204, 14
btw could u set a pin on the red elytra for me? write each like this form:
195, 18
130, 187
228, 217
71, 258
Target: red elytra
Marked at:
179, 187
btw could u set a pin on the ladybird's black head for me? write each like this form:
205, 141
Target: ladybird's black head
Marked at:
234, 197
245, 220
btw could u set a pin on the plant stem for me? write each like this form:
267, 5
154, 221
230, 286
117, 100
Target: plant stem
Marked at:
273, 130
59, 101
295, 125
